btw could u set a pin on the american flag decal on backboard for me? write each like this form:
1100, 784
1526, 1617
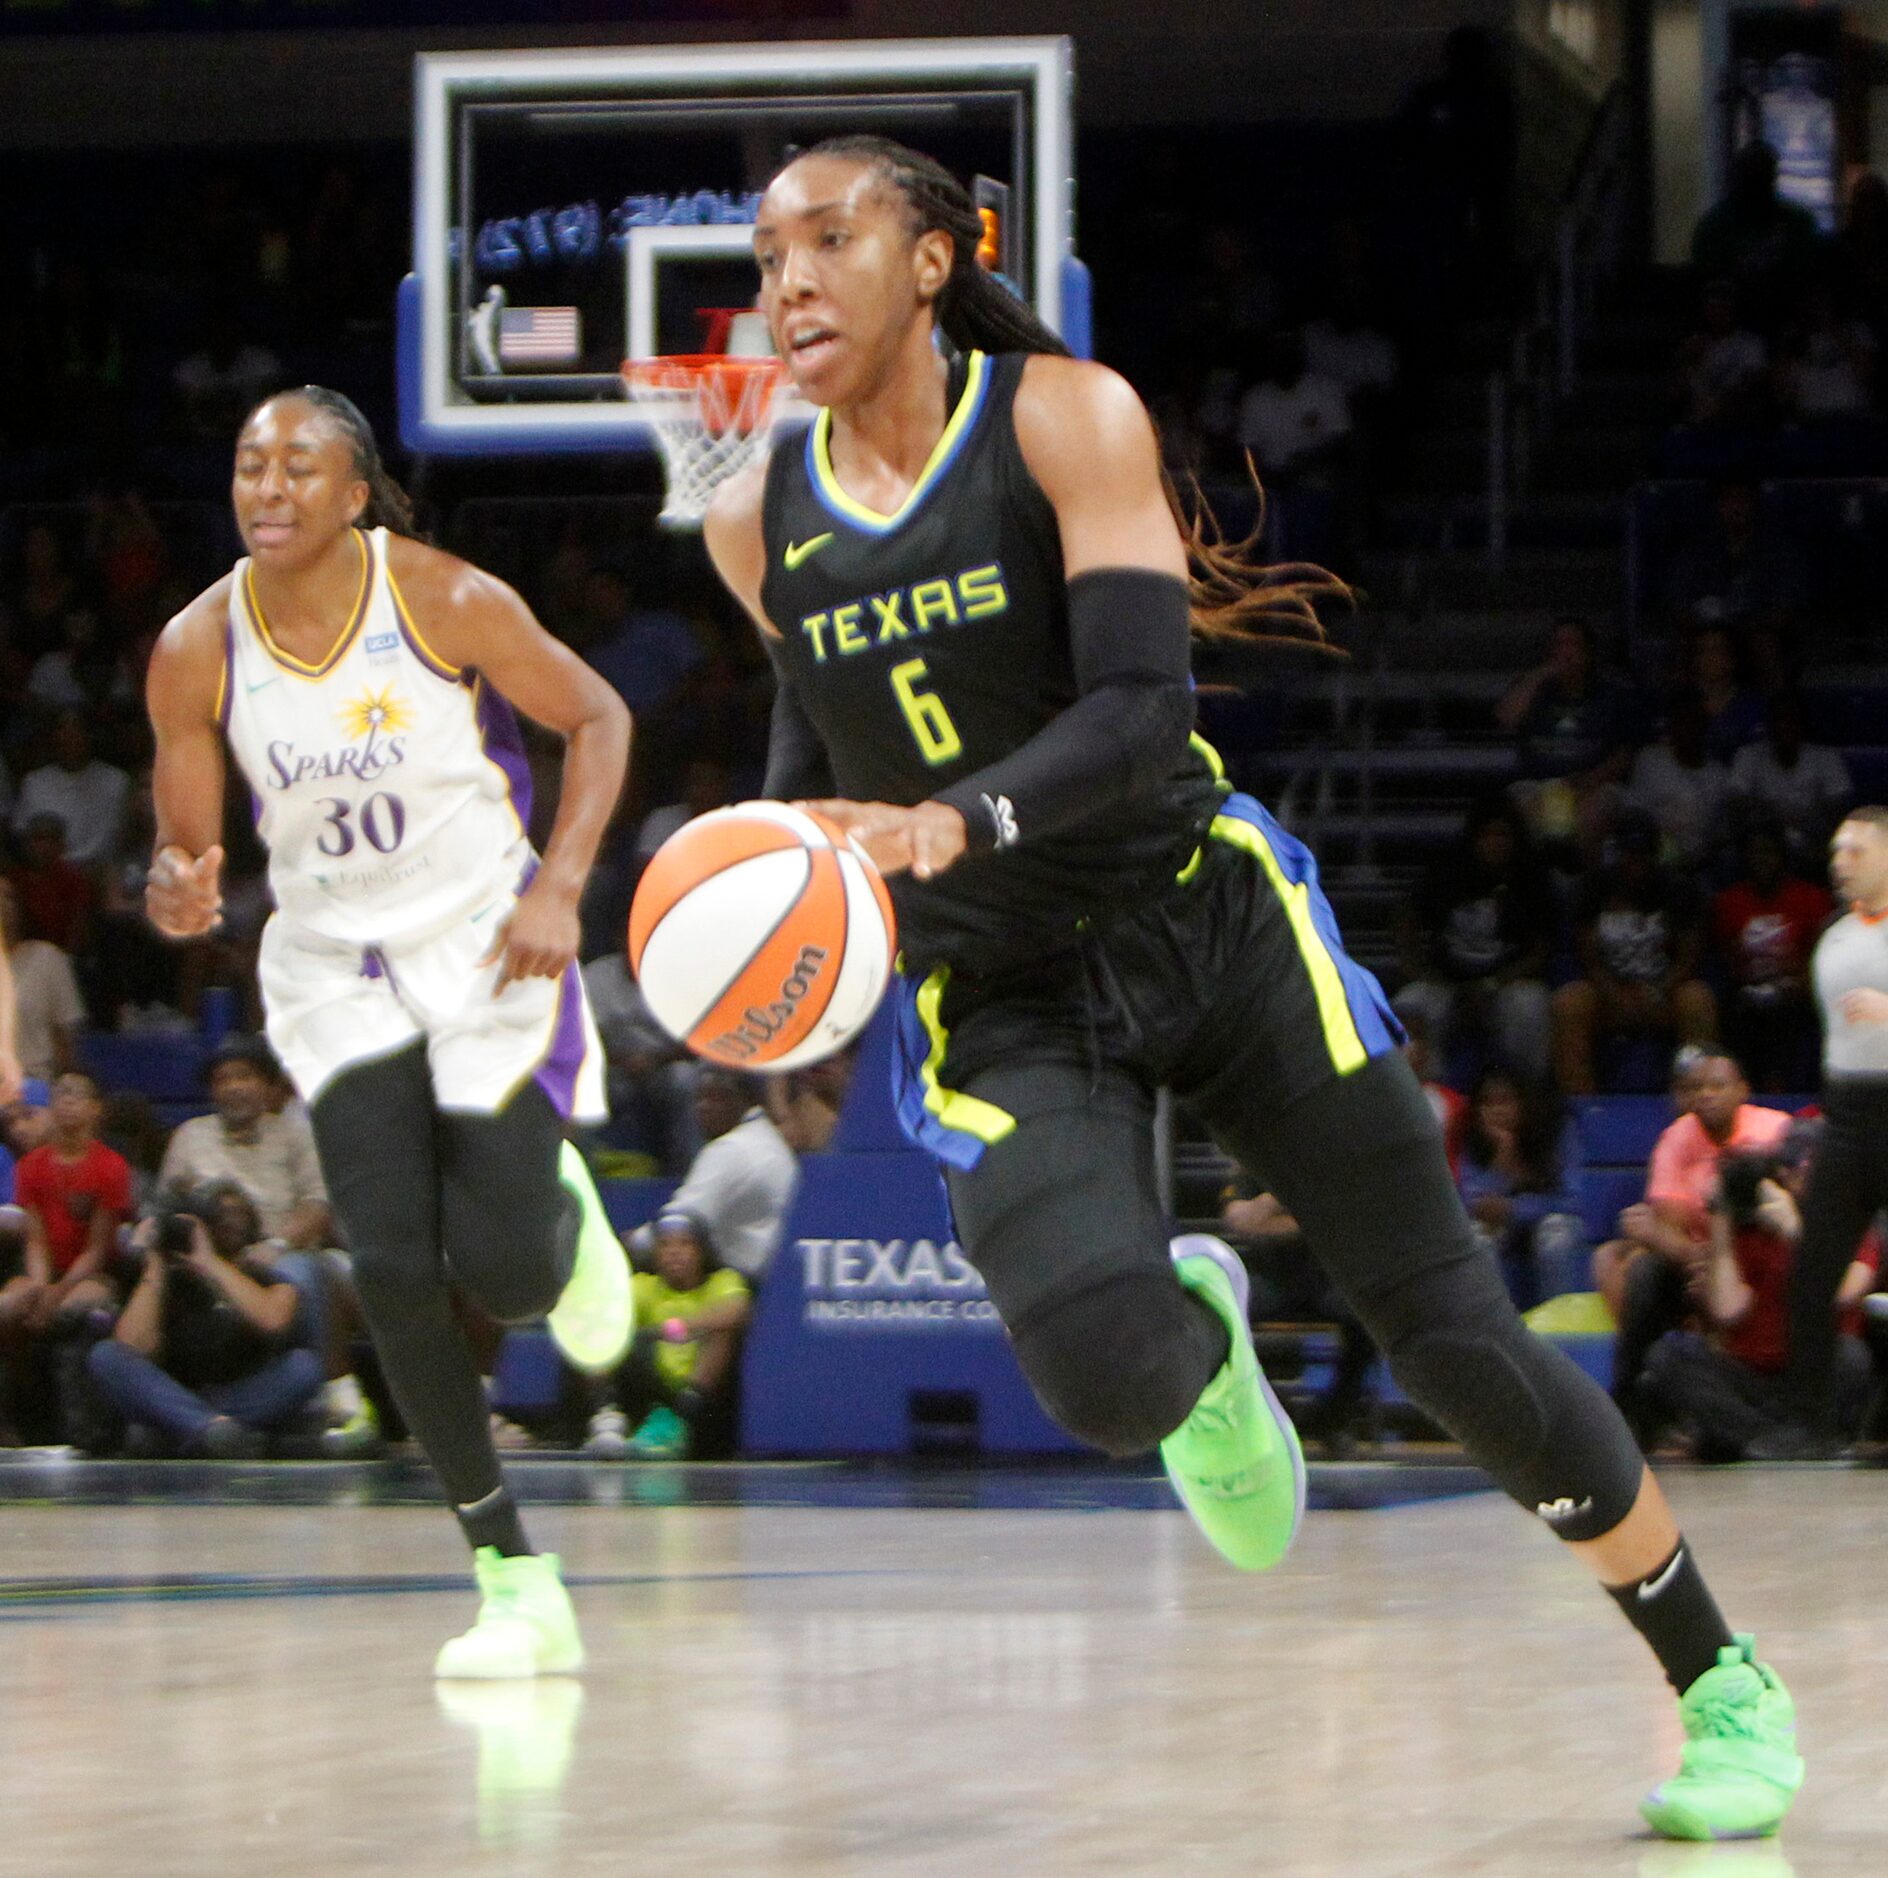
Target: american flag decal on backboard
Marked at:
539, 335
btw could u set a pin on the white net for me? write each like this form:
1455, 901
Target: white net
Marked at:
711, 415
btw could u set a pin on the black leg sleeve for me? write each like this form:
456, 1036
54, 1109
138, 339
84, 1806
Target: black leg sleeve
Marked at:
375, 1129
1360, 1164
508, 1226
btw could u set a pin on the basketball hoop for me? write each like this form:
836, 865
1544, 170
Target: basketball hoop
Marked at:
711, 414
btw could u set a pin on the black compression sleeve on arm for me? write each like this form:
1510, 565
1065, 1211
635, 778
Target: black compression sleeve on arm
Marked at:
1128, 727
798, 768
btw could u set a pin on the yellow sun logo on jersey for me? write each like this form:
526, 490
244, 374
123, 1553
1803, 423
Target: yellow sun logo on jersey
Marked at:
377, 714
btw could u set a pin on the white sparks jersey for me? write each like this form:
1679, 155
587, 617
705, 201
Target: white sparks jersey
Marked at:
391, 788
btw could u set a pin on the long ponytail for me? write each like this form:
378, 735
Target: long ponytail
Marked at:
1234, 595
388, 505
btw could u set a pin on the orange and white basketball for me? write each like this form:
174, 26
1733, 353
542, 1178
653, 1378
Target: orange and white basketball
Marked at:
762, 936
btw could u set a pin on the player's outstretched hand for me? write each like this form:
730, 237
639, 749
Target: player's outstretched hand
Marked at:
184, 897
12, 1078
925, 840
541, 937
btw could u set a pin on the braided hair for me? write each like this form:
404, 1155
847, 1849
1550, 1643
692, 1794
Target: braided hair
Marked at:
388, 505
1235, 596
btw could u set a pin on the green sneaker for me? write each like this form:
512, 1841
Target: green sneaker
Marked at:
663, 1436
525, 1624
1235, 1461
595, 1318
1740, 1768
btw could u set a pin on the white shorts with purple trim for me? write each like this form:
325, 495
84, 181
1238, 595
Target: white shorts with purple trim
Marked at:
331, 1006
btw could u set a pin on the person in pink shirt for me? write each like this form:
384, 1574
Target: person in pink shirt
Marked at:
1670, 1227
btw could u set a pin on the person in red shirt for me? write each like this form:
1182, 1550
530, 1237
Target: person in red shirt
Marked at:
55, 894
1765, 926
1723, 1382
1663, 1237
75, 1193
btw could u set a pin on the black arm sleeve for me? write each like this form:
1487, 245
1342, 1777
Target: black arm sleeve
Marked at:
1129, 633
798, 768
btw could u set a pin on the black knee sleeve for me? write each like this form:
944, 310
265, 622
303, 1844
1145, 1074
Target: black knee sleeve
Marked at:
1121, 1364
1547, 1433
508, 1224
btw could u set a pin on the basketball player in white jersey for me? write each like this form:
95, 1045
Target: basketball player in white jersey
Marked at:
419, 973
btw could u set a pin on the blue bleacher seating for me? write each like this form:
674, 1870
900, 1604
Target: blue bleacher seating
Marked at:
161, 1066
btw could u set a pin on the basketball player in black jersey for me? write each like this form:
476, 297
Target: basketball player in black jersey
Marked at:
976, 597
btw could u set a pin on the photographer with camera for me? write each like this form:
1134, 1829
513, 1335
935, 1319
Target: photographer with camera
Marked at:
212, 1353
1723, 1383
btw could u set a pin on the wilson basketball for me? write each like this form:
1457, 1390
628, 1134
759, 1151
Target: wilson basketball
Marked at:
762, 936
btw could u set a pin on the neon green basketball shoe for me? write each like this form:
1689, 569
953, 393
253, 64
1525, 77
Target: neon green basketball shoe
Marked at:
525, 1626
1740, 1769
1235, 1461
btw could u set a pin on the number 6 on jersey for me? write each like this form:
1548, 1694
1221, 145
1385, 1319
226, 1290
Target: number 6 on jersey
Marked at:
924, 711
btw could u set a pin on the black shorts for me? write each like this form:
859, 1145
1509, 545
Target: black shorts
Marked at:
1036, 1088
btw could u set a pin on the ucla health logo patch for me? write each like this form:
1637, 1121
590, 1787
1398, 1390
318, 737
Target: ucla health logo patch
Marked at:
383, 647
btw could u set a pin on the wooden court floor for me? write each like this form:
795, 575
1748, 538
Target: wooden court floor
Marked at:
794, 1689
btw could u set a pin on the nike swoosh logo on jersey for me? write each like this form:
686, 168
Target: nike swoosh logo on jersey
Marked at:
797, 551
262, 684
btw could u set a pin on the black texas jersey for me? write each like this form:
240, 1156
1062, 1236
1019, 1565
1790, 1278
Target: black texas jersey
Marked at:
927, 644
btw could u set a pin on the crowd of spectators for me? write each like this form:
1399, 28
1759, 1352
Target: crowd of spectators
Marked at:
1653, 877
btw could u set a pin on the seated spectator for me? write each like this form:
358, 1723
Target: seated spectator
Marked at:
75, 1194
47, 1007
676, 1386
1519, 1180
1825, 361
742, 1182
1731, 713
1669, 1223
1752, 236
1803, 786
1766, 924
1346, 348
805, 1103
270, 1158
82, 673
1734, 572
1477, 940
55, 897
704, 787
136, 971
224, 379
44, 589
88, 796
1722, 1382
1640, 938
1721, 365
1290, 1286
1575, 728
1683, 790
1293, 420
206, 1357
649, 1078
1448, 1106
645, 652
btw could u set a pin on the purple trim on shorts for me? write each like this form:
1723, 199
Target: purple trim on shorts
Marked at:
371, 966
504, 745
557, 1074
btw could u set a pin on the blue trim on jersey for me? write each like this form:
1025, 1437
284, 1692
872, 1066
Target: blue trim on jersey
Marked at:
1378, 1029
957, 432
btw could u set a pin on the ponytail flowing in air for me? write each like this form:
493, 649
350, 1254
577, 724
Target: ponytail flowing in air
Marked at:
1235, 596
